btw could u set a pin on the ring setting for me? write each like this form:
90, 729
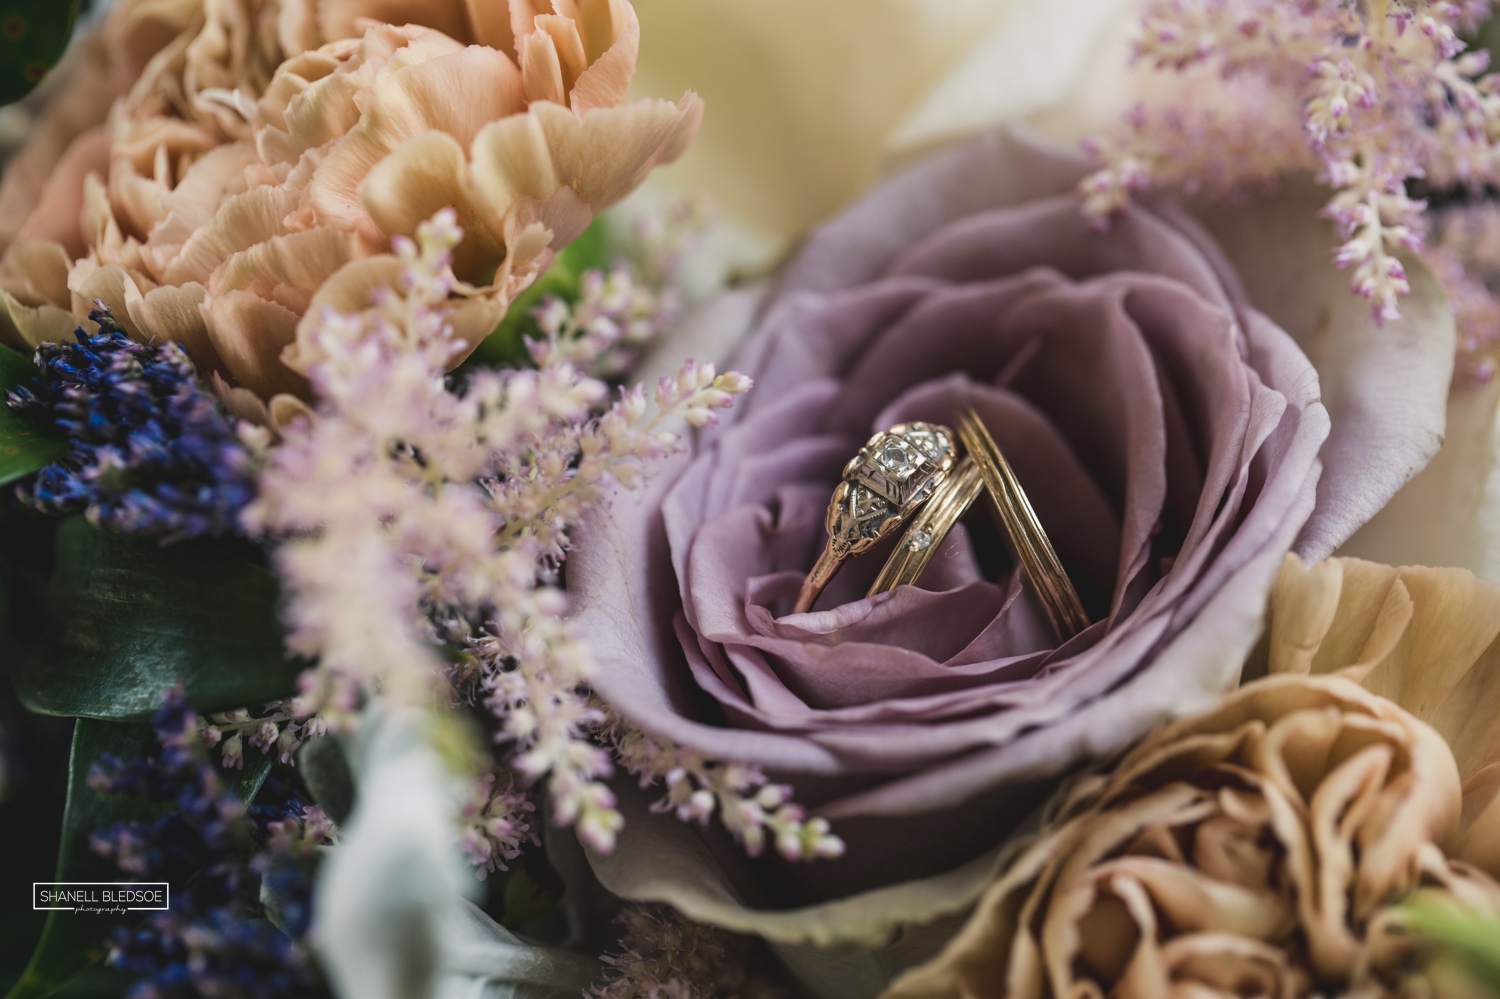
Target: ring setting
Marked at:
890, 476
912, 474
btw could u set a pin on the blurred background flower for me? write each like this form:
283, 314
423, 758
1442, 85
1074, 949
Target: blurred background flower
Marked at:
1262, 848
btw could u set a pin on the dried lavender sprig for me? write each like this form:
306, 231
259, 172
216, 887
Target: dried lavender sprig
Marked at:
151, 452
211, 942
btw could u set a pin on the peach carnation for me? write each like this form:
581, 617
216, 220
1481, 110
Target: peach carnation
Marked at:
258, 168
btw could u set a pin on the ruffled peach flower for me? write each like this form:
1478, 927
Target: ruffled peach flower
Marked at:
1263, 849
265, 158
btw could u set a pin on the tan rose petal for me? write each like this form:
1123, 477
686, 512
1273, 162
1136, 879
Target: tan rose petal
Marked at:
297, 27
287, 409
1315, 806
1192, 901
1426, 638
1480, 844
403, 104
193, 202
420, 96
1201, 965
1309, 600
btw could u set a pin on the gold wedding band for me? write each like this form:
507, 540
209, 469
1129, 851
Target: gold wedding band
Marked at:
892, 475
1059, 600
929, 526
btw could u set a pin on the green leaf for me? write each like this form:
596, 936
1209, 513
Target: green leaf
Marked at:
506, 347
325, 771
127, 618
70, 942
1474, 939
33, 35
24, 447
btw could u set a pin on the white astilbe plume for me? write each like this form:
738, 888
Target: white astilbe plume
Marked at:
750, 807
412, 513
1371, 93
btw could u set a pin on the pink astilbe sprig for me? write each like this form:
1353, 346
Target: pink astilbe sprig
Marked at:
1464, 253
277, 727
412, 515
495, 823
1382, 92
613, 317
751, 808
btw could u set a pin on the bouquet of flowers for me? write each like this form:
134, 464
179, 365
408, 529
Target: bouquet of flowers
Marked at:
1009, 510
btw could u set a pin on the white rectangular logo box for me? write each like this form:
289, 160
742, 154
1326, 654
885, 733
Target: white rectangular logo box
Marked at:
67, 896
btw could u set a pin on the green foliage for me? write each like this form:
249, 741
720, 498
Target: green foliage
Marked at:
1474, 941
128, 618
24, 447
325, 771
71, 942
506, 347
33, 35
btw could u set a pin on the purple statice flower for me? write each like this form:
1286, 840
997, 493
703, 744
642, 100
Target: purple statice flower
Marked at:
152, 451
218, 853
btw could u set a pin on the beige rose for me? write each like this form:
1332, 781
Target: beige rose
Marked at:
1261, 849
262, 162
1427, 639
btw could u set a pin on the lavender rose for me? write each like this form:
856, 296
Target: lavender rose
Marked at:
1168, 435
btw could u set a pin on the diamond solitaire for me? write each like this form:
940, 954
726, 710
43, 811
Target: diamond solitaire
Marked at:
904, 463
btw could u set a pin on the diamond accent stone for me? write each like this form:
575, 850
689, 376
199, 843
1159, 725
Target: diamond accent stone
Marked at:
919, 541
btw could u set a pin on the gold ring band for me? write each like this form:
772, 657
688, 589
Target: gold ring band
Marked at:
929, 526
1059, 600
892, 475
